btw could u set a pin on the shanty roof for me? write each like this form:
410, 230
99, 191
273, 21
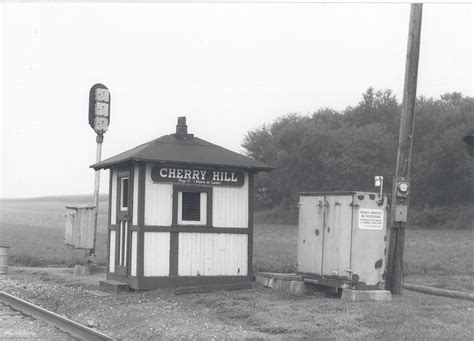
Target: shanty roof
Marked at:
183, 148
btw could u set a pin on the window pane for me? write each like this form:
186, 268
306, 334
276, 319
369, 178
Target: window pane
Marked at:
191, 209
124, 193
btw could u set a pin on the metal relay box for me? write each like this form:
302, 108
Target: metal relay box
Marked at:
79, 231
342, 239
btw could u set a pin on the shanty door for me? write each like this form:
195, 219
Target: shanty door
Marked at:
337, 236
310, 234
123, 224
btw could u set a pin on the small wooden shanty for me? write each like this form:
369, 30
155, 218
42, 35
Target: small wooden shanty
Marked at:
180, 214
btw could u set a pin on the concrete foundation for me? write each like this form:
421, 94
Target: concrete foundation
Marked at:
291, 283
295, 284
351, 295
113, 287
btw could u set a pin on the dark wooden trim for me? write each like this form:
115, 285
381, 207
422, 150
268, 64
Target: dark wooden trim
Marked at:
131, 190
174, 207
196, 229
109, 220
210, 288
107, 245
124, 216
209, 206
178, 281
251, 189
174, 253
117, 222
141, 218
194, 188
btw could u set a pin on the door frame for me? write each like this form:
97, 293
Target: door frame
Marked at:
122, 266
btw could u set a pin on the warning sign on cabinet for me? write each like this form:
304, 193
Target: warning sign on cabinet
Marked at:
371, 219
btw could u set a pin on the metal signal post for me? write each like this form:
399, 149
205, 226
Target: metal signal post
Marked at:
99, 139
401, 182
99, 119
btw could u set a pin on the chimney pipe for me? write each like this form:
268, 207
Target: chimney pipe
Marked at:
181, 127
182, 130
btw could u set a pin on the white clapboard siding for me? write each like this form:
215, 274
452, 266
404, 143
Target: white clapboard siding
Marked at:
133, 265
158, 201
212, 254
156, 261
230, 205
113, 202
135, 196
112, 252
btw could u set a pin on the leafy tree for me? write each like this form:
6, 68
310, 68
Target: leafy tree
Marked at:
330, 151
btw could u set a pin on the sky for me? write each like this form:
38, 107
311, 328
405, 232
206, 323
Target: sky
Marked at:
228, 67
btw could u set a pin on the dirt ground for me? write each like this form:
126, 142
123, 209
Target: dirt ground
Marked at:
254, 313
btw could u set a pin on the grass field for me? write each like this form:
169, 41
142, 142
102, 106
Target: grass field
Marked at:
34, 230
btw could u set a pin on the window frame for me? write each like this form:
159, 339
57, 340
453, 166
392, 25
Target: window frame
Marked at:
122, 179
202, 209
177, 221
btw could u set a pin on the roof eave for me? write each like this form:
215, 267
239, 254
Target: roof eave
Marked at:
106, 165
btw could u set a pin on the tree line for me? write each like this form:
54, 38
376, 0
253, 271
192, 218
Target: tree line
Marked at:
343, 150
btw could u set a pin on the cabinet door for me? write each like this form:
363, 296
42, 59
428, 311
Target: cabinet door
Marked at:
69, 231
310, 234
368, 239
337, 236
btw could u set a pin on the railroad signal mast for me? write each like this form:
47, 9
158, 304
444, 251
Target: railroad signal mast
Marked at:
99, 120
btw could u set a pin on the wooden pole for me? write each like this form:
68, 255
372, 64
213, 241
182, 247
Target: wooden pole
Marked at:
404, 156
99, 140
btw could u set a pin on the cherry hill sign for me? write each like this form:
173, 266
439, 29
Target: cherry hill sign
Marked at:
194, 176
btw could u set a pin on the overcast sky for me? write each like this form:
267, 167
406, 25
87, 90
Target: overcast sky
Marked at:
228, 67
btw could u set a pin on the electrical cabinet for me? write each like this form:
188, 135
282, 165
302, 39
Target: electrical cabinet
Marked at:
342, 239
79, 230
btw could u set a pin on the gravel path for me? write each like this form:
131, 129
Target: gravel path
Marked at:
245, 314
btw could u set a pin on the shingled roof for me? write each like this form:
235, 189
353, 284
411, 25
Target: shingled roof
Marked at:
183, 148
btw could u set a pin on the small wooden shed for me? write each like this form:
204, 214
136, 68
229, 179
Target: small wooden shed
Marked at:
180, 214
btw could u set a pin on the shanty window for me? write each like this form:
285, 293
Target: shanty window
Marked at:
192, 208
124, 194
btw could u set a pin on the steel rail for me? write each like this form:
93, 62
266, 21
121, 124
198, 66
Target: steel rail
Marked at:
73, 328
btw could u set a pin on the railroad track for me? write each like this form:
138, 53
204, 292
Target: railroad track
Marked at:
70, 327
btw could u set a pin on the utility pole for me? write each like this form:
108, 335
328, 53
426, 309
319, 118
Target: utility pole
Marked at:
401, 181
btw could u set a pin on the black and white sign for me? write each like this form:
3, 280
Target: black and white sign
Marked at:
371, 219
197, 176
